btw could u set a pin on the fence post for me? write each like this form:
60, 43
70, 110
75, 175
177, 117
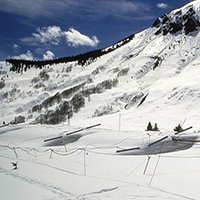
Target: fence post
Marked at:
84, 161
119, 121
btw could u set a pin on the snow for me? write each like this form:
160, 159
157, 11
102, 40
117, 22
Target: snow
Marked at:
85, 165
90, 168
194, 4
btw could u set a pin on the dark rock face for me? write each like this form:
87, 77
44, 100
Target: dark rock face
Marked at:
177, 23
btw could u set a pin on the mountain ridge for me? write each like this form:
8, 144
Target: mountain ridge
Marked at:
164, 66
185, 19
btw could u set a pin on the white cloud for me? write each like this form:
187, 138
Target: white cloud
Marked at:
28, 8
162, 5
50, 35
15, 46
48, 55
53, 35
121, 7
27, 56
75, 38
54, 8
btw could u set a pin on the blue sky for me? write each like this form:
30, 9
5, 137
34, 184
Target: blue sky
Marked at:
46, 29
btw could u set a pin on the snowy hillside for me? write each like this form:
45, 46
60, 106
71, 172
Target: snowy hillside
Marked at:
159, 62
153, 76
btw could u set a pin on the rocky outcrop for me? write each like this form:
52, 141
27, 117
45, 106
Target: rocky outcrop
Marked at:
177, 22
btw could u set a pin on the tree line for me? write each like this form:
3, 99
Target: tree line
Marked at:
82, 59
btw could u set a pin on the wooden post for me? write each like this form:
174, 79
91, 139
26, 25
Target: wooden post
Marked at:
15, 152
154, 170
64, 143
51, 154
119, 121
68, 119
84, 161
145, 169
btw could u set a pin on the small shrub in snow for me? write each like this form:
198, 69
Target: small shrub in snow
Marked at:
52, 100
103, 110
2, 85
89, 80
53, 117
67, 69
39, 85
37, 108
18, 120
88, 91
65, 75
35, 80
3, 73
100, 87
123, 72
51, 86
155, 128
157, 62
11, 95
44, 75
149, 127
77, 102
66, 109
115, 70
30, 116
69, 92
178, 128
107, 84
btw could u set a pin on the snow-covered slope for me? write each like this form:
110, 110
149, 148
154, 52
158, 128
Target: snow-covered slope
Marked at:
154, 76
159, 63
85, 166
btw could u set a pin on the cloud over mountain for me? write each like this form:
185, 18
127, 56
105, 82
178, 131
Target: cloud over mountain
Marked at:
75, 38
162, 5
48, 55
51, 8
26, 56
52, 35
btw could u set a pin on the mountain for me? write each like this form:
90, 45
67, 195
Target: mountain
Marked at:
185, 20
152, 75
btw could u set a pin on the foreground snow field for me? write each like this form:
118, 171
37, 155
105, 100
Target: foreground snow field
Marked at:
85, 166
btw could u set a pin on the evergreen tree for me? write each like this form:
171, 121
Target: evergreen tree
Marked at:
149, 127
155, 128
178, 128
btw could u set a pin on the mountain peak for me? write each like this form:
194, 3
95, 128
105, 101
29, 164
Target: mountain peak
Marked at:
194, 4
182, 20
